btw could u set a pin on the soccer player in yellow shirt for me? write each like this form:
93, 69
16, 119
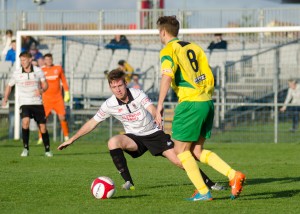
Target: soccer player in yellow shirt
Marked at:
185, 68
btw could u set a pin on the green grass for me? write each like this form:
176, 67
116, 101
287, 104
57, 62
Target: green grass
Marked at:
61, 184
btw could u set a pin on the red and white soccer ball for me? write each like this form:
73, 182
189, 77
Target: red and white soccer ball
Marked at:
103, 187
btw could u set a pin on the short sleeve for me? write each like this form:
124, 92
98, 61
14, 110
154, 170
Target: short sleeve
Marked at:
145, 100
41, 75
102, 113
167, 63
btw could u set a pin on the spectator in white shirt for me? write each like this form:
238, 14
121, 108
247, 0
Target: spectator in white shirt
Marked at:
293, 96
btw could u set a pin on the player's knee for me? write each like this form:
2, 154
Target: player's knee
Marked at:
61, 117
114, 143
43, 128
170, 154
178, 163
205, 155
25, 124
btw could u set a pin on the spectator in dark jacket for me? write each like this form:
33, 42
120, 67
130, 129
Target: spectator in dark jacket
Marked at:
35, 53
27, 42
218, 43
119, 42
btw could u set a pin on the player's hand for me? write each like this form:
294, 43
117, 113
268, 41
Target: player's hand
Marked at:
282, 109
64, 145
67, 96
158, 116
38, 92
4, 104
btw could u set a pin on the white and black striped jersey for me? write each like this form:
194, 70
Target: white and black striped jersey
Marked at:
27, 84
133, 115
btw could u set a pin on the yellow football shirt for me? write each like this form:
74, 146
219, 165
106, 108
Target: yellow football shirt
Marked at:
187, 65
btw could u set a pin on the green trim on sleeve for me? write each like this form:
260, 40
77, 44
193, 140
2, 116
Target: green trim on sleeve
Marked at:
163, 58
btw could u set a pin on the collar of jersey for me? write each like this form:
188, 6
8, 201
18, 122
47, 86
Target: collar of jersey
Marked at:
130, 98
31, 70
173, 39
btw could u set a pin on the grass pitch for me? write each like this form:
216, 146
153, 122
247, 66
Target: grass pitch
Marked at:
61, 184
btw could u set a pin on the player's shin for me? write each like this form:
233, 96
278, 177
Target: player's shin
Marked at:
190, 165
25, 136
206, 179
64, 126
121, 164
46, 141
213, 160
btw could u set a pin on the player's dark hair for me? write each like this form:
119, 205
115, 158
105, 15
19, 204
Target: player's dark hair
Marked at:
13, 41
25, 54
48, 55
9, 32
121, 62
169, 23
116, 74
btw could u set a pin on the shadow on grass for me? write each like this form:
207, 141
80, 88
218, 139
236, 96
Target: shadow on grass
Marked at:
130, 196
78, 153
265, 195
268, 195
270, 180
13, 144
168, 185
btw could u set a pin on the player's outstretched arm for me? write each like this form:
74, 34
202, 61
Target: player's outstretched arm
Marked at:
85, 129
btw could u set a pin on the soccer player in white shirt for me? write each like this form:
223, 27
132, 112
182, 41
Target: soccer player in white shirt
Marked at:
31, 83
135, 111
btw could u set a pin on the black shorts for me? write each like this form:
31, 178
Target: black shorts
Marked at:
36, 112
156, 143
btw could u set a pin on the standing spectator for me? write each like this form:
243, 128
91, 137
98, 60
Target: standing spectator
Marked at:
135, 82
6, 41
218, 43
31, 84
293, 96
28, 42
128, 69
11, 54
195, 112
52, 98
35, 53
119, 42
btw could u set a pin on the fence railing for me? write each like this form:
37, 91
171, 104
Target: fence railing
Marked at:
249, 123
146, 19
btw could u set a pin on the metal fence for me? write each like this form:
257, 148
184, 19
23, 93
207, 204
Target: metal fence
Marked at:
251, 81
146, 19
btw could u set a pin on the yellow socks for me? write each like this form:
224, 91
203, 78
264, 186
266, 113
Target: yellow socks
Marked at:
190, 165
213, 160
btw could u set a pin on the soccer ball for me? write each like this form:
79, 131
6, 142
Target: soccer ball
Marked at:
103, 187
